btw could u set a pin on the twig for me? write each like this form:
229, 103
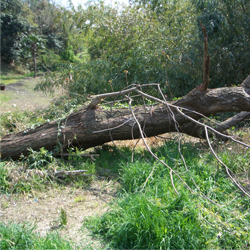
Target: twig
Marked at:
148, 148
99, 98
223, 164
81, 155
109, 129
71, 173
170, 108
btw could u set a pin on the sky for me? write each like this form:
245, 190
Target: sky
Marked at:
83, 2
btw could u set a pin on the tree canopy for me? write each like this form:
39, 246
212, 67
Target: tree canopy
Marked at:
106, 48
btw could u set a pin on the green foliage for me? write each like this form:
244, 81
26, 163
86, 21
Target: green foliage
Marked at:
68, 55
63, 217
49, 61
149, 41
22, 236
24, 21
138, 47
13, 25
228, 28
39, 159
144, 222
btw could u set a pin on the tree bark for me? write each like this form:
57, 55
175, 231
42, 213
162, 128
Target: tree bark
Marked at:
92, 126
34, 57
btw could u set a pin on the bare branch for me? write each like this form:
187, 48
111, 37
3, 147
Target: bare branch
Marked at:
71, 173
99, 98
223, 164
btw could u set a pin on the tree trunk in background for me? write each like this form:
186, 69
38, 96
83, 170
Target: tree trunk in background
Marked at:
34, 57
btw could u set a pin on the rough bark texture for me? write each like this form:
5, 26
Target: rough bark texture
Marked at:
80, 127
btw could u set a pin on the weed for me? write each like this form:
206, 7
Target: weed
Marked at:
39, 159
61, 221
4, 204
157, 217
63, 217
3, 178
36, 172
81, 198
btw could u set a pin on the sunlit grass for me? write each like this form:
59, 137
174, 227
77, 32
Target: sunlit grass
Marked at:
36, 173
214, 215
22, 236
10, 79
4, 97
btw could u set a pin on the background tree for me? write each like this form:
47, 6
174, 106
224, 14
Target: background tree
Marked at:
135, 46
32, 44
148, 41
228, 28
13, 27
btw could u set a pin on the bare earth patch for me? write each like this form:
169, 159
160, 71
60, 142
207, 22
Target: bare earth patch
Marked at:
21, 96
43, 209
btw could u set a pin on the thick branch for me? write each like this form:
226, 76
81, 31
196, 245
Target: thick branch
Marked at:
198, 131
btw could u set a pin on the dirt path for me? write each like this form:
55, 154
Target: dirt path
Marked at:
20, 95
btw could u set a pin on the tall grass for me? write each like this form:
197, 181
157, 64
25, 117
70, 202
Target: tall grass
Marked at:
22, 236
158, 218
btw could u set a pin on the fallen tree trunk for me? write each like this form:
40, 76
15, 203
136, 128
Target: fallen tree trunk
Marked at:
92, 126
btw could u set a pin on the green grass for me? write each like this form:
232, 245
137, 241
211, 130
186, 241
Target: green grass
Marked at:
158, 218
15, 121
10, 79
36, 172
5, 97
22, 236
